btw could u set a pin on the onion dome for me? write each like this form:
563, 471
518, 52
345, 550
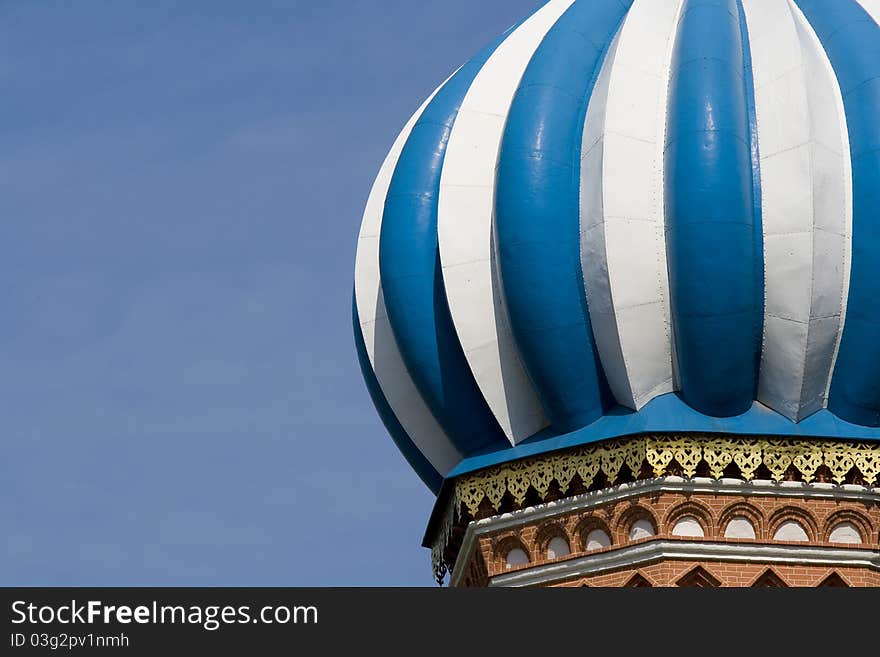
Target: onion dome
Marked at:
632, 216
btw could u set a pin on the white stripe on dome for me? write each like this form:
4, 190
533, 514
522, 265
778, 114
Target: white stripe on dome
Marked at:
391, 373
465, 227
833, 176
872, 7
806, 207
623, 241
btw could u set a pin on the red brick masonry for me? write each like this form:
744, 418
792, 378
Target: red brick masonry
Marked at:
713, 511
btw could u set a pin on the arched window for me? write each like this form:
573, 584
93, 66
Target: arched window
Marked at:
791, 530
699, 578
598, 539
688, 526
845, 532
740, 527
769, 580
833, 581
742, 520
641, 528
516, 557
558, 548
638, 581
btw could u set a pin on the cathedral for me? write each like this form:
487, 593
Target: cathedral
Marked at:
617, 298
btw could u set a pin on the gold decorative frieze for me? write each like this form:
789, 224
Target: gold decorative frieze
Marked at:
687, 453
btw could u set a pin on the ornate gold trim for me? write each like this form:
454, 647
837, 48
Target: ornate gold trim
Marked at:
688, 452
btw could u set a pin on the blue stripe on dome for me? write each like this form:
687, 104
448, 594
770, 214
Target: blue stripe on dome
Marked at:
412, 280
411, 453
757, 195
852, 40
710, 213
537, 214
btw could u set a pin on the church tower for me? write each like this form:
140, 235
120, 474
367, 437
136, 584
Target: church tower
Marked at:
617, 297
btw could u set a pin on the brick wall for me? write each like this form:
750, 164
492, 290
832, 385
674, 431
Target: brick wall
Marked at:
712, 511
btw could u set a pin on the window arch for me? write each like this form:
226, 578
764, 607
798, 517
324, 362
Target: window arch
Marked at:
636, 523
847, 527
557, 547
690, 519
698, 578
835, 581
793, 524
638, 581
594, 534
688, 527
510, 552
515, 558
791, 530
741, 520
597, 539
740, 527
552, 542
641, 528
769, 579
845, 532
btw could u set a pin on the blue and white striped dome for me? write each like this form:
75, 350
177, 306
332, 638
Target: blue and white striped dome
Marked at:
628, 216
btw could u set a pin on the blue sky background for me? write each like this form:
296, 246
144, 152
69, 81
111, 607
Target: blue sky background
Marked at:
182, 184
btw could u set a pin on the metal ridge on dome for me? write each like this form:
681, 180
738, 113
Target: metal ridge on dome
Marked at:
631, 216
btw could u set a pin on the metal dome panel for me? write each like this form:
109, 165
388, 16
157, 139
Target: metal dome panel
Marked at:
629, 216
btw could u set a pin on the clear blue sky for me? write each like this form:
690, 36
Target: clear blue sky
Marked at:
182, 184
